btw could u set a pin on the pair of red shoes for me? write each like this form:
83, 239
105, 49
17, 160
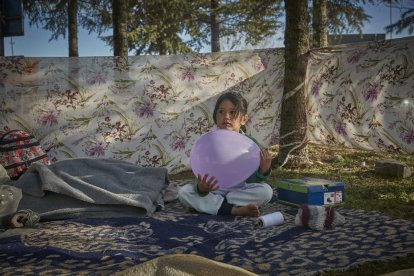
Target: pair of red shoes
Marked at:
318, 217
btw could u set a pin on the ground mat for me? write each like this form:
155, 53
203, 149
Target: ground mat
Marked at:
104, 246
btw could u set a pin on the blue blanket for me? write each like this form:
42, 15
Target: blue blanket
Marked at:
106, 245
87, 187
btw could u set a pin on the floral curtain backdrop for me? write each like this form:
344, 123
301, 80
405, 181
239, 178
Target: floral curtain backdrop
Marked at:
151, 109
148, 110
362, 95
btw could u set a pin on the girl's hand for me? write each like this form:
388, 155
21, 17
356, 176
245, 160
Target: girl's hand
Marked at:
265, 160
207, 185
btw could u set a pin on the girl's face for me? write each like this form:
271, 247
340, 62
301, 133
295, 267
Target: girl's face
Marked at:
226, 117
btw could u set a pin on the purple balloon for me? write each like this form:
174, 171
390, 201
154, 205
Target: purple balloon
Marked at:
227, 155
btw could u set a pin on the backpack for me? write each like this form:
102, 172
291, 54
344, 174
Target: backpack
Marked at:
19, 149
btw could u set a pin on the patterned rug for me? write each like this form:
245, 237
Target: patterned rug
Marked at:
104, 246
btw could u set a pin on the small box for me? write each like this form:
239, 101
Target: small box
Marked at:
311, 191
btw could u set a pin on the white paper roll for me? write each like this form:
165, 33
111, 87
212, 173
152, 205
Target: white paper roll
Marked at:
275, 218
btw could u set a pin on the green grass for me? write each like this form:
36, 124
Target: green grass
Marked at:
364, 189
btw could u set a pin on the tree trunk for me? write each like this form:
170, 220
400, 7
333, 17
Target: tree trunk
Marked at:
293, 150
319, 24
215, 27
73, 28
120, 26
161, 47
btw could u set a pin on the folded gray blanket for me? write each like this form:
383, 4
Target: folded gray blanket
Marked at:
87, 187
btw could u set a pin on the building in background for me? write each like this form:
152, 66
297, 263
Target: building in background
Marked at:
353, 38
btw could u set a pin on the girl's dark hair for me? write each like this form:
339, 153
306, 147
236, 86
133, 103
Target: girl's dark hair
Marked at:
240, 103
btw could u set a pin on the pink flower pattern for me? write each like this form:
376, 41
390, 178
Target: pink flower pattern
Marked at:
49, 118
371, 94
408, 136
149, 110
95, 150
340, 128
145, 110
186, 74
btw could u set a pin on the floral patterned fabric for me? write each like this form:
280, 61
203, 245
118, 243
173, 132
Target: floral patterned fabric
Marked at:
362, 95
151, 109
148, 110
18, 150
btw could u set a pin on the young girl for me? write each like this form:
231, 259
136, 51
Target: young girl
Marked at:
243, 199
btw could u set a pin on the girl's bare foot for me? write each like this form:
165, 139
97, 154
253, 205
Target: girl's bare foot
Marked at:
250, 210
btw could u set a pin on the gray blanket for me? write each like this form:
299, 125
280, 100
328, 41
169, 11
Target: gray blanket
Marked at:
86, 187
